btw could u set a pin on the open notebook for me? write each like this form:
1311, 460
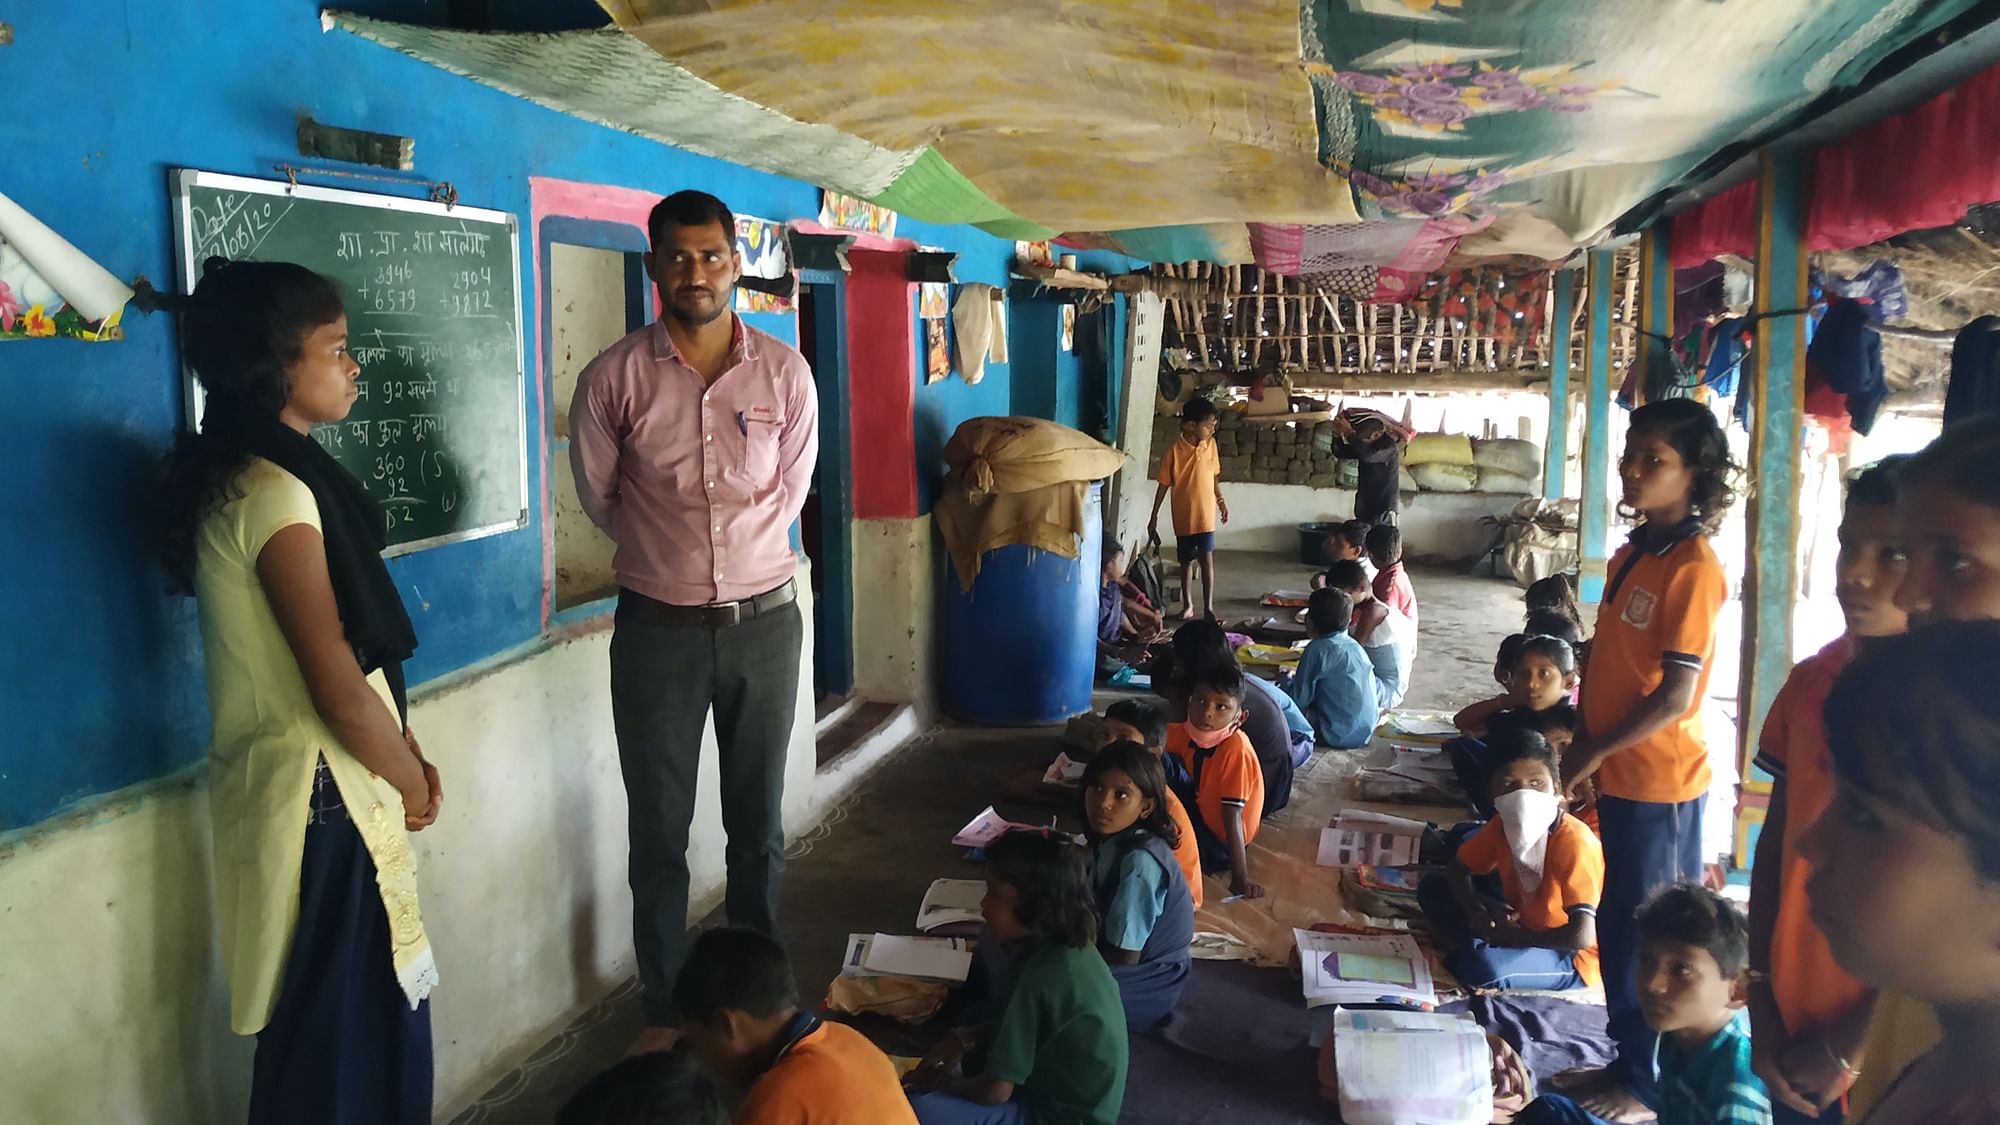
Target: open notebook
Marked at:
1363, 969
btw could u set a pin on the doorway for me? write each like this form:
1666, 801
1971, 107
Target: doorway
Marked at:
826, 523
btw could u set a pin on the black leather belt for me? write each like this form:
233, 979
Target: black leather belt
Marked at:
716, 615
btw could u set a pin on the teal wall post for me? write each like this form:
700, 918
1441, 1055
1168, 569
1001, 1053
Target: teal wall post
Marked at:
1555, 457
1777, 388
1596, 500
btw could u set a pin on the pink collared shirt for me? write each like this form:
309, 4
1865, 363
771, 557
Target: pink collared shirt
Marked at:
697, 484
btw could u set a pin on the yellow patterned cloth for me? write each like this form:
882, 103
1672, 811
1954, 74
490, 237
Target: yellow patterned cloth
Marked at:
265, 746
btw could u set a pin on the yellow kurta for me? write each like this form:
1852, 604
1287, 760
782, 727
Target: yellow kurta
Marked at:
266, 743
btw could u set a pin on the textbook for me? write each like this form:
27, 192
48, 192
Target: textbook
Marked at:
951, 904
1363, 969
1357, 836
1398, 1067
894, 955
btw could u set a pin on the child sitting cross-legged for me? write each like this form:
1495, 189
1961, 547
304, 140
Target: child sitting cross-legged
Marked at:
1335, 683
1211, 766
741, 1012
1542, 931
1694, 954
1058, 1051
1136, 720
1146, 915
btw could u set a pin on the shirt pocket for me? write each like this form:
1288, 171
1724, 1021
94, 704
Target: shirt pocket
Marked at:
760, 449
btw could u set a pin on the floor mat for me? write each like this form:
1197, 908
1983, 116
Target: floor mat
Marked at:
1239, 1050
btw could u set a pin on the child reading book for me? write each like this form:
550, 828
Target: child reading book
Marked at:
1058, 1051
1542, 931
1191, 472
1146, 915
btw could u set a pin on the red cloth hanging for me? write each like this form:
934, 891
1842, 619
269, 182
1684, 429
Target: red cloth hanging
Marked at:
1721, 224
1919, 169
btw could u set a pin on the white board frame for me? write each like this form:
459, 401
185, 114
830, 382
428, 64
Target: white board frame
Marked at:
182, 180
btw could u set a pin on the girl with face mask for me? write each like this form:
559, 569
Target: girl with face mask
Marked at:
1541, 931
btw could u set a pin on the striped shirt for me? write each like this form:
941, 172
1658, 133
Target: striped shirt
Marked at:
1713, 1084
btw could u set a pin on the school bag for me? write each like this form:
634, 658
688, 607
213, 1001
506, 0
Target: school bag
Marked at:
1144, 573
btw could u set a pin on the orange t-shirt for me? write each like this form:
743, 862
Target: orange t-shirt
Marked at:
1572, 879
1189, 472
1811, 989
1663, 612
832, 1076
1230, 778
1186, 853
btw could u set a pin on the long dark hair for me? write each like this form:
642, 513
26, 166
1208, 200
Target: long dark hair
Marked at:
1692, 430
243, 328
1054, 886
1148, 777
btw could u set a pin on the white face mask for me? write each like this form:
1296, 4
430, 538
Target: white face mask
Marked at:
1526, 815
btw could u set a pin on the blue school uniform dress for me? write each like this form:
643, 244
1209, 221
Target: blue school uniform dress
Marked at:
1143, 900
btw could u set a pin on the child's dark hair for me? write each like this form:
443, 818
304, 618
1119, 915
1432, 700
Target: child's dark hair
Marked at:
1561, 717
245, 324
1347, 574
1553, 649
1354, 533
1517, 743
1049, 875
1691, 914
1690, 427
1510, 651
737, 968
1328, 611
1226, 679
1198, 409
1112, 549
1148, 777
1549, 623
1148, 720
1385, 544
1961, 460
1201, 642
1557, 593
1875, 485
1914, 722
658, 1088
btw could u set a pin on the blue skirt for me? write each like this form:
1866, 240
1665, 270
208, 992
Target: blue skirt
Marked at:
344, 1047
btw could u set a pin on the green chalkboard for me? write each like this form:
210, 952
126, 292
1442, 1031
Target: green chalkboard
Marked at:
433, 318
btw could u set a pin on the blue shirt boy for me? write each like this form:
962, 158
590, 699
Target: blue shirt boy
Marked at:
1335, 688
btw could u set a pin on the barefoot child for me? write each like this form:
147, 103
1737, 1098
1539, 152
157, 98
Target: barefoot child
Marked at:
1693, 953
1217, 773
1058, 1051
1806, 1012
1147, 916
1191, 471
1542, 933
740, 1009
1640, 739
1906, 861
1135, 720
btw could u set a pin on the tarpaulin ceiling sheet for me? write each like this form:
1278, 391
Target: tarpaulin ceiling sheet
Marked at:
1085, 116
1569, 113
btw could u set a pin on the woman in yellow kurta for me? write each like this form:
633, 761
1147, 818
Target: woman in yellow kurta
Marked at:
314, 777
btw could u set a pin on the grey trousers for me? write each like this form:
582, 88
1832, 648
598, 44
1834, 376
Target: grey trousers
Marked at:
664, 680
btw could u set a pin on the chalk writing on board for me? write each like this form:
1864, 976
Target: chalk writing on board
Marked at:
234, 225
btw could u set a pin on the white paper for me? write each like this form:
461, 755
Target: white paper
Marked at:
985, 828
1340, 847
951, 902
1063, 771
932, 958
1398, 1067
1389, 969
1368, 820
1421, 726
81, 283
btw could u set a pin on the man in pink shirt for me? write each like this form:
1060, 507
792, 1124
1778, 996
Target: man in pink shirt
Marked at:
693, 441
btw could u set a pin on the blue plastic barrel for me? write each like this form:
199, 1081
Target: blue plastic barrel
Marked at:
1020, 647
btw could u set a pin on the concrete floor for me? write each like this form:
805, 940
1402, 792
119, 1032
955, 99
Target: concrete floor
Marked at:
867, 865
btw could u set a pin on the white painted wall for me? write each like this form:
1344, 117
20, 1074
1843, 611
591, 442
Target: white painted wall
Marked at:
1132, 492
1442, 526
113, 988
586, 316
895, 612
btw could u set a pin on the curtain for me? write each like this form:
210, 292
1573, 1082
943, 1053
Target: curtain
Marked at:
1920, 169
1721, 224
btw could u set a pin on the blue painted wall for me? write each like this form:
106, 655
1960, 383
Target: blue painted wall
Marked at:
101, 669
